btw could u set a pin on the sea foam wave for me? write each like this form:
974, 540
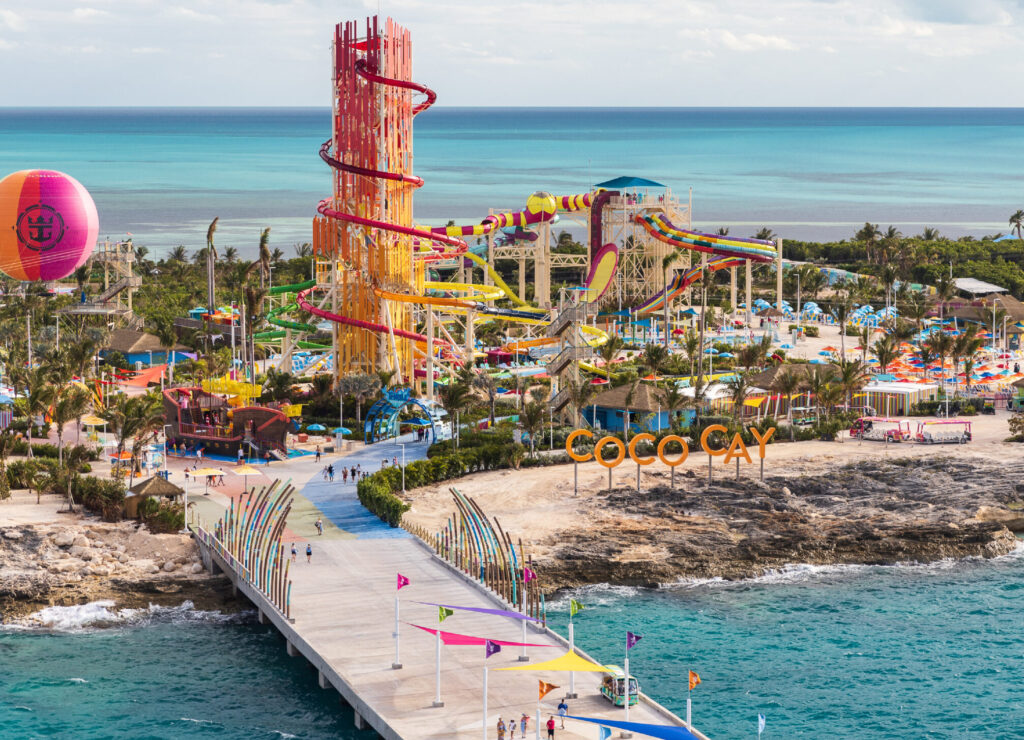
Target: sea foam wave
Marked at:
602, 593
97, 614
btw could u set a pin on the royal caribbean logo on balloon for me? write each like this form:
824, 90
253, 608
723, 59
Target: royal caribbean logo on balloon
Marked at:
40, 227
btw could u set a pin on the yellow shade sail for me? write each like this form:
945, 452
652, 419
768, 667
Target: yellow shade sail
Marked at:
205, 472
568, 662
753, 401
91, 420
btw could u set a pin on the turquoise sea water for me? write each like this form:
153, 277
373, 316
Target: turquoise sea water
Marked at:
889, 653
809, 173
165, 675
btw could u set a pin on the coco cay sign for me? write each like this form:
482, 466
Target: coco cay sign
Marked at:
735, 450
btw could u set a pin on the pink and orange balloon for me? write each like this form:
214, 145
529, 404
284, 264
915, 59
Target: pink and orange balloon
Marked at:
48, 225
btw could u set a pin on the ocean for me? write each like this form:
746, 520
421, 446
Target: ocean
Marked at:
807, 173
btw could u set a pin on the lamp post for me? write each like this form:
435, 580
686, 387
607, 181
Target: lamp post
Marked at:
402, 445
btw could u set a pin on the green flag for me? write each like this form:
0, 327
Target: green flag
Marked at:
575, 607
443, 613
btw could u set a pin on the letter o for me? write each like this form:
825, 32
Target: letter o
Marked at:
572, 438
632, 448
618, 458
682, 456
707, 433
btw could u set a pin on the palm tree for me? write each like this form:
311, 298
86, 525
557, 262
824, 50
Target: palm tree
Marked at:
653, 358
691, 346
36, 400
69, 403
927, 357
580, 392
869, 235
786, 383
930, 234
916, 309
966, 344
672, 399
739, 389
231, 255
359, 386
532, 419
74, 463
454, 396
609, 351
722, 231
179, 254
489, 385
885, 352
945, 289
765, 233
1017, 223
818, 379
853, 375
864, 337
841, 313
969, 368
940, 343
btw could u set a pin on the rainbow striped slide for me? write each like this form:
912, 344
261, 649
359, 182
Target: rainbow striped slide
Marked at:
682, 281
658, 226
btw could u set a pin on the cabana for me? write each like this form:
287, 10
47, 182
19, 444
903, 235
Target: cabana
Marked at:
898, 397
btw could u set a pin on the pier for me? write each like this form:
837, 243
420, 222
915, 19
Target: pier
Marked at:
337, 613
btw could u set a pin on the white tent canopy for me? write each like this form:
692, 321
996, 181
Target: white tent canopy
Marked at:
977, 287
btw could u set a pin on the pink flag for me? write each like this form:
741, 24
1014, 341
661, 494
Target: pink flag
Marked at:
402, 581
528, 575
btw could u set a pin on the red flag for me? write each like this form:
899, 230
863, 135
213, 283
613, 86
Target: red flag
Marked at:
402, 581
694, 680
544, 689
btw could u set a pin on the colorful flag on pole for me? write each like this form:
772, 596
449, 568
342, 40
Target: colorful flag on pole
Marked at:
760, 724
632, 640
575, 607
490, 648
544, 689
443, 613
402, 581
694, 680
528, 575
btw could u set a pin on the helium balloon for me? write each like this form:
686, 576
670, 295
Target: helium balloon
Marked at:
48, 225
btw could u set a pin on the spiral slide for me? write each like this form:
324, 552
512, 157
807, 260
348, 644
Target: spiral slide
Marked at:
658, 226
683, 280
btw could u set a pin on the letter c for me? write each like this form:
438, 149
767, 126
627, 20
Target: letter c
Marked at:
572, 438
617, 459
664, 443
632, 448
707, 433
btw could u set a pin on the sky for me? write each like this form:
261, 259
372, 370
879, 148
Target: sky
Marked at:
522, 53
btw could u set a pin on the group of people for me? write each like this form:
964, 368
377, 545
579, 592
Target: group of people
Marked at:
510, 728
355, 472
214, 480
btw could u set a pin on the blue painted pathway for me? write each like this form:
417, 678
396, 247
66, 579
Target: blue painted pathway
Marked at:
338, 501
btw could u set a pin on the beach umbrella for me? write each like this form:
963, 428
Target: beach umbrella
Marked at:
206, 473
726, 354
711, 351
91, 420
823, 353
344, 431
786, 346
316, 428
245, 471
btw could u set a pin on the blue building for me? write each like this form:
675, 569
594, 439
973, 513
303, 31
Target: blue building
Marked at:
138, 346
608, 410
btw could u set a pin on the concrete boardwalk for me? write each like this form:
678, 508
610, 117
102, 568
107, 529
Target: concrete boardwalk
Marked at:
343, 609
343, 605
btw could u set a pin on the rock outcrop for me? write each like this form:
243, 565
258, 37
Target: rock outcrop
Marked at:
882, 512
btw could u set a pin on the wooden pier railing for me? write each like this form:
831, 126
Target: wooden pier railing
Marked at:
481, 549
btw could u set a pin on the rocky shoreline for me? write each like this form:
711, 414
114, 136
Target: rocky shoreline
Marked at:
877, 512
67, 564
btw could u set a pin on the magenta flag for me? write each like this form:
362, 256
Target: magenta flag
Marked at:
453, 638
402, 581
490, 648
528, 575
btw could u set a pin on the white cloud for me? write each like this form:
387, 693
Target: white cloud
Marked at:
12, 20
5, 44
755, 42
89, 13
147, 50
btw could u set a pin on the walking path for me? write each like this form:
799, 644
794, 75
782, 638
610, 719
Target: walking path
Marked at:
343, 605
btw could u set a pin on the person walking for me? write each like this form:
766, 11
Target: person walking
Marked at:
295, 553
563, 709
318, 453
309, 553
522, 724
266, 457
241, 455
512, 729
330, 472
551, 727
501, 729
344, 475
319, 524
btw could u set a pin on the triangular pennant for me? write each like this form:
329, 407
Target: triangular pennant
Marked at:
544, 689
694, 680
575, 607
529, 575
490, 648
632, 640
443, 613
402, 581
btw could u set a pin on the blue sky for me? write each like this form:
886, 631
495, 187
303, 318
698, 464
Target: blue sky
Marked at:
557, 52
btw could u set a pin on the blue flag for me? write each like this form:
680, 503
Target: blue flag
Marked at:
606, 733
760, 724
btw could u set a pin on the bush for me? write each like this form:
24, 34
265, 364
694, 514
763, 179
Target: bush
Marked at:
969, 410
161, 517
104, 497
